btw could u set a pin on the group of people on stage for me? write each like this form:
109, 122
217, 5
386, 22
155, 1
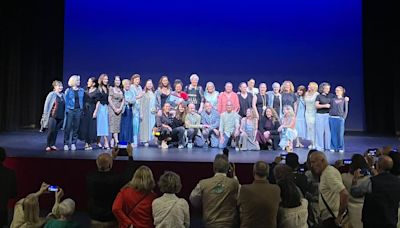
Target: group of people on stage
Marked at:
172, 114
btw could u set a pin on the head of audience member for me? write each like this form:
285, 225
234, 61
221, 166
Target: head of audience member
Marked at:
104, 162
126, 84
194, 80
386, 150
164, 82
288, 111
262, 88
66, 208
143, 180
282, 171
340, 91
192, 108
287, 87
308, 163
396, 163
384, 164
228, 87
260, 170
318, 162
243, 87
290, 194
210, 87
358, 162
57, 86
135, 79
276, 87
3, 155
221, 164
103, 81
208, 107
324, 88
178, 85
301, 91
251, 83
31, 209
312, 87
292, 160
166, 108
229, 106
74, 81
170, 183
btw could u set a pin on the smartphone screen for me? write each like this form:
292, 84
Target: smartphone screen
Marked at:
52, 188
347, 161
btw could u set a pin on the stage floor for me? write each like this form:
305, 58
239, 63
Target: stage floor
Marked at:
31, 143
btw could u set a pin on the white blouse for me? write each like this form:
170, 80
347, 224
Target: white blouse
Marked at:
171, 211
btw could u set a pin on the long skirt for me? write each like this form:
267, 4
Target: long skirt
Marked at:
102, 121
126, 134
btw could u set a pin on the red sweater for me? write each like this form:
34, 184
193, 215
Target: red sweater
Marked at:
129, 211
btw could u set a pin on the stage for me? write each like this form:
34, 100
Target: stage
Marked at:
31, 143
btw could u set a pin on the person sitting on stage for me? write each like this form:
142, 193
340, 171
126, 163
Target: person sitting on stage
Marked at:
267, 134
8, 183
229, 126
217, 196
169, 128
62, 212
194, 127
104, 185
228, 95
248, 131
132, 206
288, 129
210, 117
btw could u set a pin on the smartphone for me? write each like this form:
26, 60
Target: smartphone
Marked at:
395, 150
372, 152
52, 188
122, 149
302, 170
346, 161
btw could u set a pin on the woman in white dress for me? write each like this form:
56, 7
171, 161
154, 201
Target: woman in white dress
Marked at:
311, 111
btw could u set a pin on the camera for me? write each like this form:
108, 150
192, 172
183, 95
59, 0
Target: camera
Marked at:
372, 152
346, 161
52, 188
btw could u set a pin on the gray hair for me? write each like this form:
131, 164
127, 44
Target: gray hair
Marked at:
276, 84
322, 85
66, 208
221, 163
261, 169
73, 79
170, 182
194, 76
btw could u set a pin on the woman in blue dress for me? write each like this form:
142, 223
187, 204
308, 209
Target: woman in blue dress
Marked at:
288, 129
101, 113
301, 126
126, 134
148, 111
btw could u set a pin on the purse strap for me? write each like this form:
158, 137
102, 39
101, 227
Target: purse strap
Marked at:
327, 206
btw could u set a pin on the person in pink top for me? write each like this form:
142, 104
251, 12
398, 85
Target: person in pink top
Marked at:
228, 95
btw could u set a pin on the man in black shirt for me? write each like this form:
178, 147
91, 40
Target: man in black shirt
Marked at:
8, 183
104, 185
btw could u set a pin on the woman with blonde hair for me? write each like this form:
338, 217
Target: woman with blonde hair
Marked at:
288, 129
288, 96
115, 107
101, 113
53, 114
310, 113
248, 131
148, 111
211, 95
133, 205
267, 134
73, 106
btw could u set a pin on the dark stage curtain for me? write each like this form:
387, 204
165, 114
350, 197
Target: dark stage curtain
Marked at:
381, 41
31, 54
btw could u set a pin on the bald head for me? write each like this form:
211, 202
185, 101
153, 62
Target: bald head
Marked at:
104, 162
385, 163
260, 169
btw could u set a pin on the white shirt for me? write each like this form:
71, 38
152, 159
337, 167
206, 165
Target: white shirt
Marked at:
330, 186
170, 211
293, 217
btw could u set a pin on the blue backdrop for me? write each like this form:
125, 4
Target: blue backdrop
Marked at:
222, 41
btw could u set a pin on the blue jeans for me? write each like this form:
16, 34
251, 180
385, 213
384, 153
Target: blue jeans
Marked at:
72, 126
136, 126
322, 132
337, 132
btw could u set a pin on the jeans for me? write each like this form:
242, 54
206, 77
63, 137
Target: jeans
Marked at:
136, 126
322, 132
336, 125
72, 126
227, 140
54, 126
209, 134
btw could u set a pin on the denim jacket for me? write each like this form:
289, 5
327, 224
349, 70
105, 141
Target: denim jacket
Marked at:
70, 98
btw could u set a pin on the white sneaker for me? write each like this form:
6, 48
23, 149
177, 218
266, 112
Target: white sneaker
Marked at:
146, 144
332, 150
164, 145
237, 148
73, 147
181, 147
66, 148
341, 151
190, 145
311, 147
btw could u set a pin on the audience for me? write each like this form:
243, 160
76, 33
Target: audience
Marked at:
217, 196
333, 194
169, 210
293, 207
26, 210
300, 179
104, 185
8, 183
132, 206
312, 193
62, 212
381, 195
259, 202
355, 204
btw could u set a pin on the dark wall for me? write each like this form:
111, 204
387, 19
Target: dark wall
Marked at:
31, 44
31, 57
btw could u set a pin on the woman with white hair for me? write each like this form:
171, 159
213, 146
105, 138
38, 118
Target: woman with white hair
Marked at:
195, 92
211, 95
311, 110
288, 129
74, 106
275, 98
53, 114
62, 212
